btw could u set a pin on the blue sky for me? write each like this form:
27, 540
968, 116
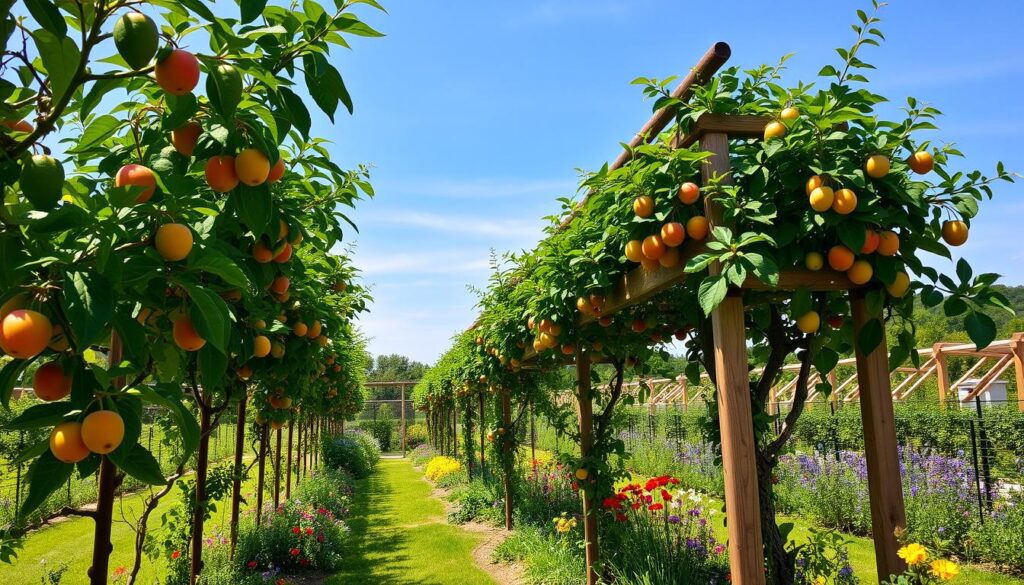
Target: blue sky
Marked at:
476, 115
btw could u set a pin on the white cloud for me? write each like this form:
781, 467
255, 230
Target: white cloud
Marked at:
477, 188
454, 224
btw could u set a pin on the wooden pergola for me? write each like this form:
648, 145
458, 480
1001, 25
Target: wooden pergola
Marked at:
746, 555
403, 385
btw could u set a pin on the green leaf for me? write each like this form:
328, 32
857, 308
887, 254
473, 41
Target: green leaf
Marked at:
325, 84
48, 17
210, 315
980, 328
88, 305
870, 336
170, 397
32, 452
40, 415
213, 366
45, 475
252, 9
215, 262
139, 463
852, 234
8, 377
96, 132
180, 108
298, 114
825, 360
711, 292
60, 57
255, 208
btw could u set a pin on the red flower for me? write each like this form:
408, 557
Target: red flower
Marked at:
575, 486
321, 510
620, 517
656, 507
303, 562
652, 484
612, 503
295, 552
637, 505
175, 554
296, 530
665, 495
319, 537
252, 564
309, 531
281, 581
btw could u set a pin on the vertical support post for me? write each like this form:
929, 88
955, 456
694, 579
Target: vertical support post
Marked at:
685, 393
202, 467
288, 466
1017, 349
884, 485
942, 374
403, 422
277, 471
533, 435
236, 483
833, 395
107, 485
483, 432
261, 474
455, 429
506, 446
298, 456
585, 411
746, 548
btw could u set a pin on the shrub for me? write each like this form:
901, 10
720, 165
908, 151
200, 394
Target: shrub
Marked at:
477, 500
545, 492
422, 454
295, 537
346, 453
369, 445
1000, 539
442, 466
548, 558
329, 489
415, 435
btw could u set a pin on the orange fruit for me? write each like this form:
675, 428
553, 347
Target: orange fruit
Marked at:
774, 130
900, 285
66, 442
860, 272
639, 325
921, 162
634, 251
220, 173
808, 322
262, 253
954, 232
840, 258
568, 349
845, 202
789, 114
814, 261
280, 284
260, 346
276, 171
653, 247
673, 234
178, 72
245, 372
670, 258
643, 206
103, 431
284, 255
821, 199
277, 349
24, 333
689, 193
314, 330
252, 167
185, 335
813, 183
185, 138
583, 306
582, 474
888, 243
871, 241
697, 227
137, 176
877, 166
300, 329
50, 383
173, 241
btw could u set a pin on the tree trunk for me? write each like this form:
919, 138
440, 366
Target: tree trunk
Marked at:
261, 474
236, 484
288, 466
780, 565
199, 510
101, 546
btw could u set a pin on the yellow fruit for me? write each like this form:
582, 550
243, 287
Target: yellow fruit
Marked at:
821, 199
814, 261
103, 431
252, 167
774, 130
185, 335
634, 251
66, 442
582, 474
813, 183
16, 302
845, 202
173, 241
789, 114
900, 285
877, 166
954, 232
25, 334
860, 272
888, 243
643, 206
840, 258
300, 329
808, 322
921, 162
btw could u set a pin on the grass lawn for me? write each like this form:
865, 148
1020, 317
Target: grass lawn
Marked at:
399, 534
71, 541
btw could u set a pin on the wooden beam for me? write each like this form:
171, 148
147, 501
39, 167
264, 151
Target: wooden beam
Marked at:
994, 372
746, 552
585, 410
1017, 348
735, 126
883, 464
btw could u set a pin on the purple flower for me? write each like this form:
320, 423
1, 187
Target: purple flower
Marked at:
673, 519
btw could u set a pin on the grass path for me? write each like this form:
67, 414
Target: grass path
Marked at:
399, 534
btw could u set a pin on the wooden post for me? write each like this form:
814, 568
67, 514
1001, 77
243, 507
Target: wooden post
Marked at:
277, 471
261, 473
685, 393
403, 421
298, 456
773, 404
506, 447
107, 485
455, 429
202, 467
833, 395
1017, 349
884, 485
533, 436
288, 466
236, 483
483, 445
746, 549
941, 374
585, 411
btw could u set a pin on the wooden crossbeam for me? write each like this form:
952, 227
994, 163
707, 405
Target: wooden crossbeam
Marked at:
994, 372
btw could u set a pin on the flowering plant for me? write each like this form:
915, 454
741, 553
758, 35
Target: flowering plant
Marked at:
442, 466
922, 568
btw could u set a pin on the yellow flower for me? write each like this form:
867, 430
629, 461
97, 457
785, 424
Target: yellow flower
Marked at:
442, 466
944, 569
819, 580
913, 554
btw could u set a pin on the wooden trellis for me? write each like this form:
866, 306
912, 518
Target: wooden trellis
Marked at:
403, 385
746, 554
